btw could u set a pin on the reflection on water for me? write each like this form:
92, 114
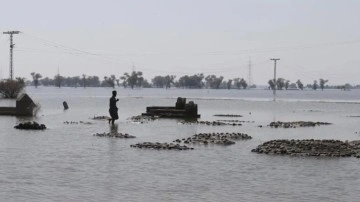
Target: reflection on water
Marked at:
114, 128
67, 163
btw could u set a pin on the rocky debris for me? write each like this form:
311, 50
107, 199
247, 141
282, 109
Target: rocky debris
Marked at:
211, 123
85, 122
143, 119
161, 146
214, 138
296, 124
355, 144
314, 110
71, 122
104, 118
236, 121
115, 135
229, 115
77, 122
30, 126
310, 147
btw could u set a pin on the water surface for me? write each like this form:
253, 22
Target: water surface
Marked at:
67, 163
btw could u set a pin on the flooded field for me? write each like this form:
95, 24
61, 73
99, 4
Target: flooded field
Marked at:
66, 162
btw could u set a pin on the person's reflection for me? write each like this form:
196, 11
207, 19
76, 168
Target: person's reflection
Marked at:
113, 129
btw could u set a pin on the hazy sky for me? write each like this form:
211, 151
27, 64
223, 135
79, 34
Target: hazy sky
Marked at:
313, 38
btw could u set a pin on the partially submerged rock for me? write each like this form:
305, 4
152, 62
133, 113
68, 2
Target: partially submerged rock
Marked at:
211, 123
77, 122
161, 146
310, 147
115, 135
214, 138
294, 124
236, 121
105, 118
201, 138
30, 126
229, 115
143, 118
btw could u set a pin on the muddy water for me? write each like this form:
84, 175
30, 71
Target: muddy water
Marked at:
67, 163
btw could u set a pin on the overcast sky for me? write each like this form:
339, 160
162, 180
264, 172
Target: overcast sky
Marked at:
313, 38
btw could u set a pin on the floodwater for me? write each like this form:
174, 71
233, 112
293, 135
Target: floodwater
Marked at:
67, 163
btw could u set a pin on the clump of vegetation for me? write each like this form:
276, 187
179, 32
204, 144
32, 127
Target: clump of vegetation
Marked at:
11, 88
132, 79
30, 126
36, 77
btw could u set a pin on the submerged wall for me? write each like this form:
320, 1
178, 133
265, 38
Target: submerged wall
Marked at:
24, 107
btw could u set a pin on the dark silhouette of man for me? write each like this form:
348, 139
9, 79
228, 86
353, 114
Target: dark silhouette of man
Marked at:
113, 108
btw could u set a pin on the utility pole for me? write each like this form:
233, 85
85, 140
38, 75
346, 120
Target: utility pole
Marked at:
11, 33
274, 91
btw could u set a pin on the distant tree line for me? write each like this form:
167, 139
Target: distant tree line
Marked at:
283, 84
135, 79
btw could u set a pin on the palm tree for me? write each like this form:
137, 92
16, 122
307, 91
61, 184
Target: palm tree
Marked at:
36, 77
322, 83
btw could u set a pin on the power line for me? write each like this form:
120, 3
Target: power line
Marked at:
212, 53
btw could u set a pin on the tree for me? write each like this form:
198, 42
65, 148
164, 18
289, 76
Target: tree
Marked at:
47, 81
139, 81
292, 86
93, 81
322, 83
158, 81
146, 84
272, 84
229, 83
76, 80
237, 83
133, 79
11, 88
213, 81
280, 83
240, 82
287, 83
109, 81
36, 77
252, 86
300, 85
194, 81
84, 80
71, 81
123, 79
58, 80
315, 85
243, 83
169, 79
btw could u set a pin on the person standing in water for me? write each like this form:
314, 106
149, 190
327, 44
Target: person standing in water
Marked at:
113, 108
